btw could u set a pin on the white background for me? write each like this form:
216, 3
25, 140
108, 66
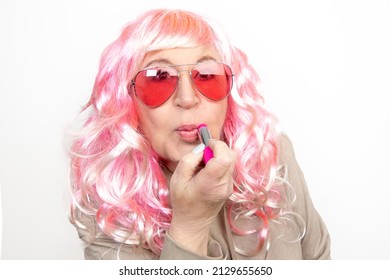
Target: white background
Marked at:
325, 67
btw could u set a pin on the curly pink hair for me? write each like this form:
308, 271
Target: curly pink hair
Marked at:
117, 177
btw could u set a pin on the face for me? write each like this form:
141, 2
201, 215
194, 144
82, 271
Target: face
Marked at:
172, 127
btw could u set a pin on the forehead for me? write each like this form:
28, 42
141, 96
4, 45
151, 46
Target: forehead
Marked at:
178, 56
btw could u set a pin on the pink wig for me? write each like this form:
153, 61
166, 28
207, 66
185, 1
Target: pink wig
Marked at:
117, 177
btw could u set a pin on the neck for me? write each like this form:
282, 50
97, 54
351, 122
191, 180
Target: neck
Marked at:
167, 171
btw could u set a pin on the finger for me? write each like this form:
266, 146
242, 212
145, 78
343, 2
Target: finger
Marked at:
223, 161
188, 164
222, 153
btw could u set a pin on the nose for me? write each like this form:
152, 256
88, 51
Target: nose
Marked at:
186, 95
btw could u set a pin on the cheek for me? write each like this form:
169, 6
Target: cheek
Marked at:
152, 125
145, 121
219, 117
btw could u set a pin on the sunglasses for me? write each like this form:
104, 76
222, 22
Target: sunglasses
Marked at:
154, 86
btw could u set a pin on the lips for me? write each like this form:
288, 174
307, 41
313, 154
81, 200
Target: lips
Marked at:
188, 132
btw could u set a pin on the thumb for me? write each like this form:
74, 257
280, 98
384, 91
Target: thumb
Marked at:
188, 164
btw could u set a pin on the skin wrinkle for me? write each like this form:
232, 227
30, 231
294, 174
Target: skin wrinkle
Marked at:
185, 106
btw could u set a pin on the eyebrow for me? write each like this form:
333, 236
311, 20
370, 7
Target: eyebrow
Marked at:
169, 63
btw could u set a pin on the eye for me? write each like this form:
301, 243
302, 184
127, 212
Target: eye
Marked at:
203, 76
159, 74
162, 75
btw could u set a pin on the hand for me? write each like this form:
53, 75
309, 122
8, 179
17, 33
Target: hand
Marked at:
197, 197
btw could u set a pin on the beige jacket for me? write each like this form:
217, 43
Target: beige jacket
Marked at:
314, 245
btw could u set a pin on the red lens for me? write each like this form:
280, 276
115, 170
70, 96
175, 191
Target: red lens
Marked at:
214, 80
154, 86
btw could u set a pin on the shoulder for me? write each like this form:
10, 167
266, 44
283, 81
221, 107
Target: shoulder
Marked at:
286, 152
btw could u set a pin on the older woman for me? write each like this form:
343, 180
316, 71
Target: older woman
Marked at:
140, 187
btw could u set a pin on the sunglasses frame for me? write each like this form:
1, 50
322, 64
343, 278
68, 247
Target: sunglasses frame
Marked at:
189, 71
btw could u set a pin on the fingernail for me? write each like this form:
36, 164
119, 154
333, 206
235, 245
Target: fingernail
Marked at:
198, 149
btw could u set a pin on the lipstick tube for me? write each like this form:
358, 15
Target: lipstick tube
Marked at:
205, 136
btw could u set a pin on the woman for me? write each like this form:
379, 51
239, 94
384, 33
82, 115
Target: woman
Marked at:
140, 188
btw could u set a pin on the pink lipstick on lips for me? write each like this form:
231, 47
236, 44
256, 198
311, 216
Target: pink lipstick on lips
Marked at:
205, 136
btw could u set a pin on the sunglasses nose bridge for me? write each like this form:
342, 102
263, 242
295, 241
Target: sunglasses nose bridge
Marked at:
184, 70
189, 72
186, 94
